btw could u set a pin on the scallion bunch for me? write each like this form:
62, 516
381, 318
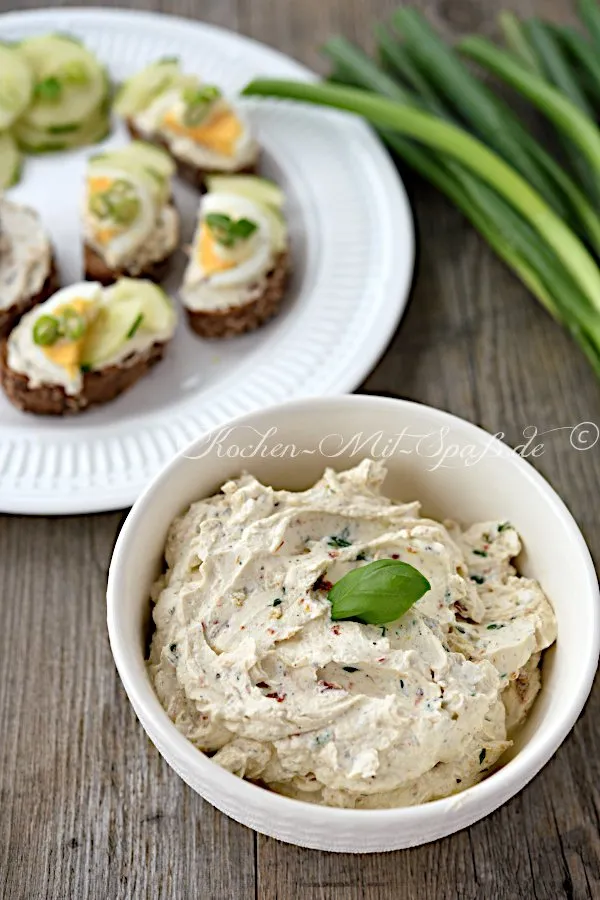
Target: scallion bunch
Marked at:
539, 212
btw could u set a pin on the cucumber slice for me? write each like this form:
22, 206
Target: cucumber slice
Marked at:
113, 161
141, 155
138, 92
109, 331
261, 190
157, 309
34, 140
16, 84
70, 83
10, 161
278, 227
151, 157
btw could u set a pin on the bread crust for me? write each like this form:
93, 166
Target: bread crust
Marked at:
186, 170
99, 387
224, 323
97, 270
9, 317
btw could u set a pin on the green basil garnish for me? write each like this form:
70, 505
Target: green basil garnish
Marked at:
379, 592
227, 231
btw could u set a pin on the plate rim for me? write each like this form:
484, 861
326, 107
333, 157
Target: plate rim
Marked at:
347, 379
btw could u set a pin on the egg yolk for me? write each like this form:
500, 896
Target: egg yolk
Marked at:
104, 235
65, 353
208, 257
99, 183
219, 133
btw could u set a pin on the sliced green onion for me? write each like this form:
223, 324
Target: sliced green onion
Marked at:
75, 73
136, 324
206, 93
198, 101
48, 90
46, 331
71, 323
447, 138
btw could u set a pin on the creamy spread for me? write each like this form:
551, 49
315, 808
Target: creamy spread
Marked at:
250, 667
25, 253
164, 118
156, 245
28, 358
219, 278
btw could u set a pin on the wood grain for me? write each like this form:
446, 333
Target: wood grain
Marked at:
87, 807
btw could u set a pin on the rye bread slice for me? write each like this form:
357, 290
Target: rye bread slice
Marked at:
224, 323
98, 387
10, 316
186, 170
96, 269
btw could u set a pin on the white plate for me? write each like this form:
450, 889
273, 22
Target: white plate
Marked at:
352, 245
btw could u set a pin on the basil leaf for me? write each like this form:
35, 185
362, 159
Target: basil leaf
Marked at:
379, 592
243, 228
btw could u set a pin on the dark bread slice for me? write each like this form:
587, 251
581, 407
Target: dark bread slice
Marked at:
96, 269
9, 317
224, 323
98, 387
186, 170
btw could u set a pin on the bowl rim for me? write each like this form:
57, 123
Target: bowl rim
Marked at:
487, 794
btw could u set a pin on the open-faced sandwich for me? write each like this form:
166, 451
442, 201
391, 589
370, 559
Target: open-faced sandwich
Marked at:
200, 128
130, 224
27, 271
239, 259
85, 345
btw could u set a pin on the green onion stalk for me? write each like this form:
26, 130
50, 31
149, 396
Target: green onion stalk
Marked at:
490, 119
556, 253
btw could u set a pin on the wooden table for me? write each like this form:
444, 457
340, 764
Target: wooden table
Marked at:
87, 807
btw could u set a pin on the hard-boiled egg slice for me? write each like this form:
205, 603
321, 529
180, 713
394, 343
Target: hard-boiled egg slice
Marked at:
121, 210
242, 264
62, 359
222, 131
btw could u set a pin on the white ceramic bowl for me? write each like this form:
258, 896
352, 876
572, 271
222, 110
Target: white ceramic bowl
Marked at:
456, 470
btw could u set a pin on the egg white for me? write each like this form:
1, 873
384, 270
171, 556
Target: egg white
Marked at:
250, 270
150, 121
27, 356
125, 244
